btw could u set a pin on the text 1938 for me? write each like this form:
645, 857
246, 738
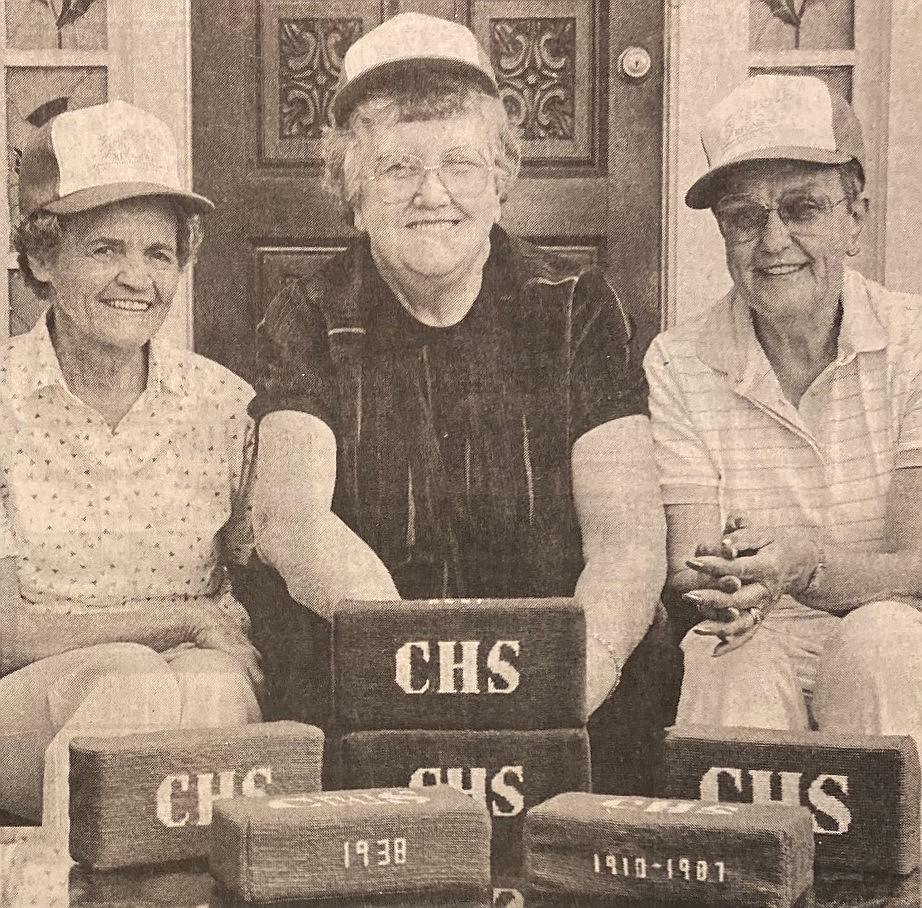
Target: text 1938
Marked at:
374, 852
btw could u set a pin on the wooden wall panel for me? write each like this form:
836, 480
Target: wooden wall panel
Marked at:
302, 44
277, 266
543, 53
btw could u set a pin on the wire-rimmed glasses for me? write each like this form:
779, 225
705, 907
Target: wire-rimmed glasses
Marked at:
463, 171
743, 217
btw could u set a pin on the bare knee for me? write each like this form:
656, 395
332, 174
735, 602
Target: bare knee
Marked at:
874, 639
208, 661
216, 689
751, 685
885, 619
759, 656
123, 659
116, 684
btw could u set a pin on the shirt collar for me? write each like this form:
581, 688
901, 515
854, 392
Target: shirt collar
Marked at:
728, 343
861, 331
167, 367
34, 365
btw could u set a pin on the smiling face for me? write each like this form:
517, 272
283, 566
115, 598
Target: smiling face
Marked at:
433, 235
114, 273
782, 274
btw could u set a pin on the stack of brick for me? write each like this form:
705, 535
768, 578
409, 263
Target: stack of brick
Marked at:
863, 791
145, 799
659, 851
742, 817
390, 847
486, 696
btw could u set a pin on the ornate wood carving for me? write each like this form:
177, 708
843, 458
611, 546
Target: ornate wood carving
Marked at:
535, 62
544, 55
301, 48
310, 59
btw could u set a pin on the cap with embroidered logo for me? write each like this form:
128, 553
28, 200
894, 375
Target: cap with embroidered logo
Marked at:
98, 155
406, 42
795, 118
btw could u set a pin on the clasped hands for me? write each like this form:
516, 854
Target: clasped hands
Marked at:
222, 623
734, 583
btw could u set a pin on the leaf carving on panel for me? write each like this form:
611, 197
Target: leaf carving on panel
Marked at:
310, 59
44, 112
71, 11
790, 13
28, 31
535, 63
784, 10
38, 118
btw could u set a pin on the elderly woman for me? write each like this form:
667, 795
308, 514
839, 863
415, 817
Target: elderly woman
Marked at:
788, 428
120, 466
446, 411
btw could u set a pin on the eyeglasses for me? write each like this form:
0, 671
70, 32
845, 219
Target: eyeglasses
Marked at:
464, 172
743, 217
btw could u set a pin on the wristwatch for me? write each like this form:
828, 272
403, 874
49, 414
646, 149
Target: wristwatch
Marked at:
815, 580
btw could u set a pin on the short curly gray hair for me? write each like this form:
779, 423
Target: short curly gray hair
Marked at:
440, 96
39, 234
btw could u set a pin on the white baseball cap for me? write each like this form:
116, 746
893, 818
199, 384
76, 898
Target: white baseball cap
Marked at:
405, 42
94, 156
795, 118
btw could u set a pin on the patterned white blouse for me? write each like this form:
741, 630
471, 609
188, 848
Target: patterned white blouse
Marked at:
154, 508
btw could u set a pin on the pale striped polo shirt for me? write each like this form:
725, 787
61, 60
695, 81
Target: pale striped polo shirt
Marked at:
726, 434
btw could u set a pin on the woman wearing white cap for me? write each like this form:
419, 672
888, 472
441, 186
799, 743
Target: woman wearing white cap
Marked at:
120, 466
445, 410
788, 427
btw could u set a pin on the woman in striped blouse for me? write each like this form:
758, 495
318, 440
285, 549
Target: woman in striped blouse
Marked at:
788, 430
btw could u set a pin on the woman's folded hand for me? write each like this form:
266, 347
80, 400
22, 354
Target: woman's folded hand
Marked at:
783, 560
734, 583
733, 618
211, 624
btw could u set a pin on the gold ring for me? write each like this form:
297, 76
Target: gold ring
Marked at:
758, 616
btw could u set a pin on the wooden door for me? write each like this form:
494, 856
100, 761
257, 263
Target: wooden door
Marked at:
262, 76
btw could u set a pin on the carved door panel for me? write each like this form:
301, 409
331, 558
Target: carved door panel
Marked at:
263, 73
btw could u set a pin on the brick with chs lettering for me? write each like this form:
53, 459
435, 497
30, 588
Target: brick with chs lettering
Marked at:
349, 844
460, 664
652, 850
148, 798
509, 771
862, 790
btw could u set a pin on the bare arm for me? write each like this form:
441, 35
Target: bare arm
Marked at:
852, 578
621, 519
785, 561
235, 539
321, 559
687, 526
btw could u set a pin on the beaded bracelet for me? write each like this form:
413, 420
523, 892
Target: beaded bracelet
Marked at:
612, 654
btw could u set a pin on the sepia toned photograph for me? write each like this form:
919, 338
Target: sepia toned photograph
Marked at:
461, 454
